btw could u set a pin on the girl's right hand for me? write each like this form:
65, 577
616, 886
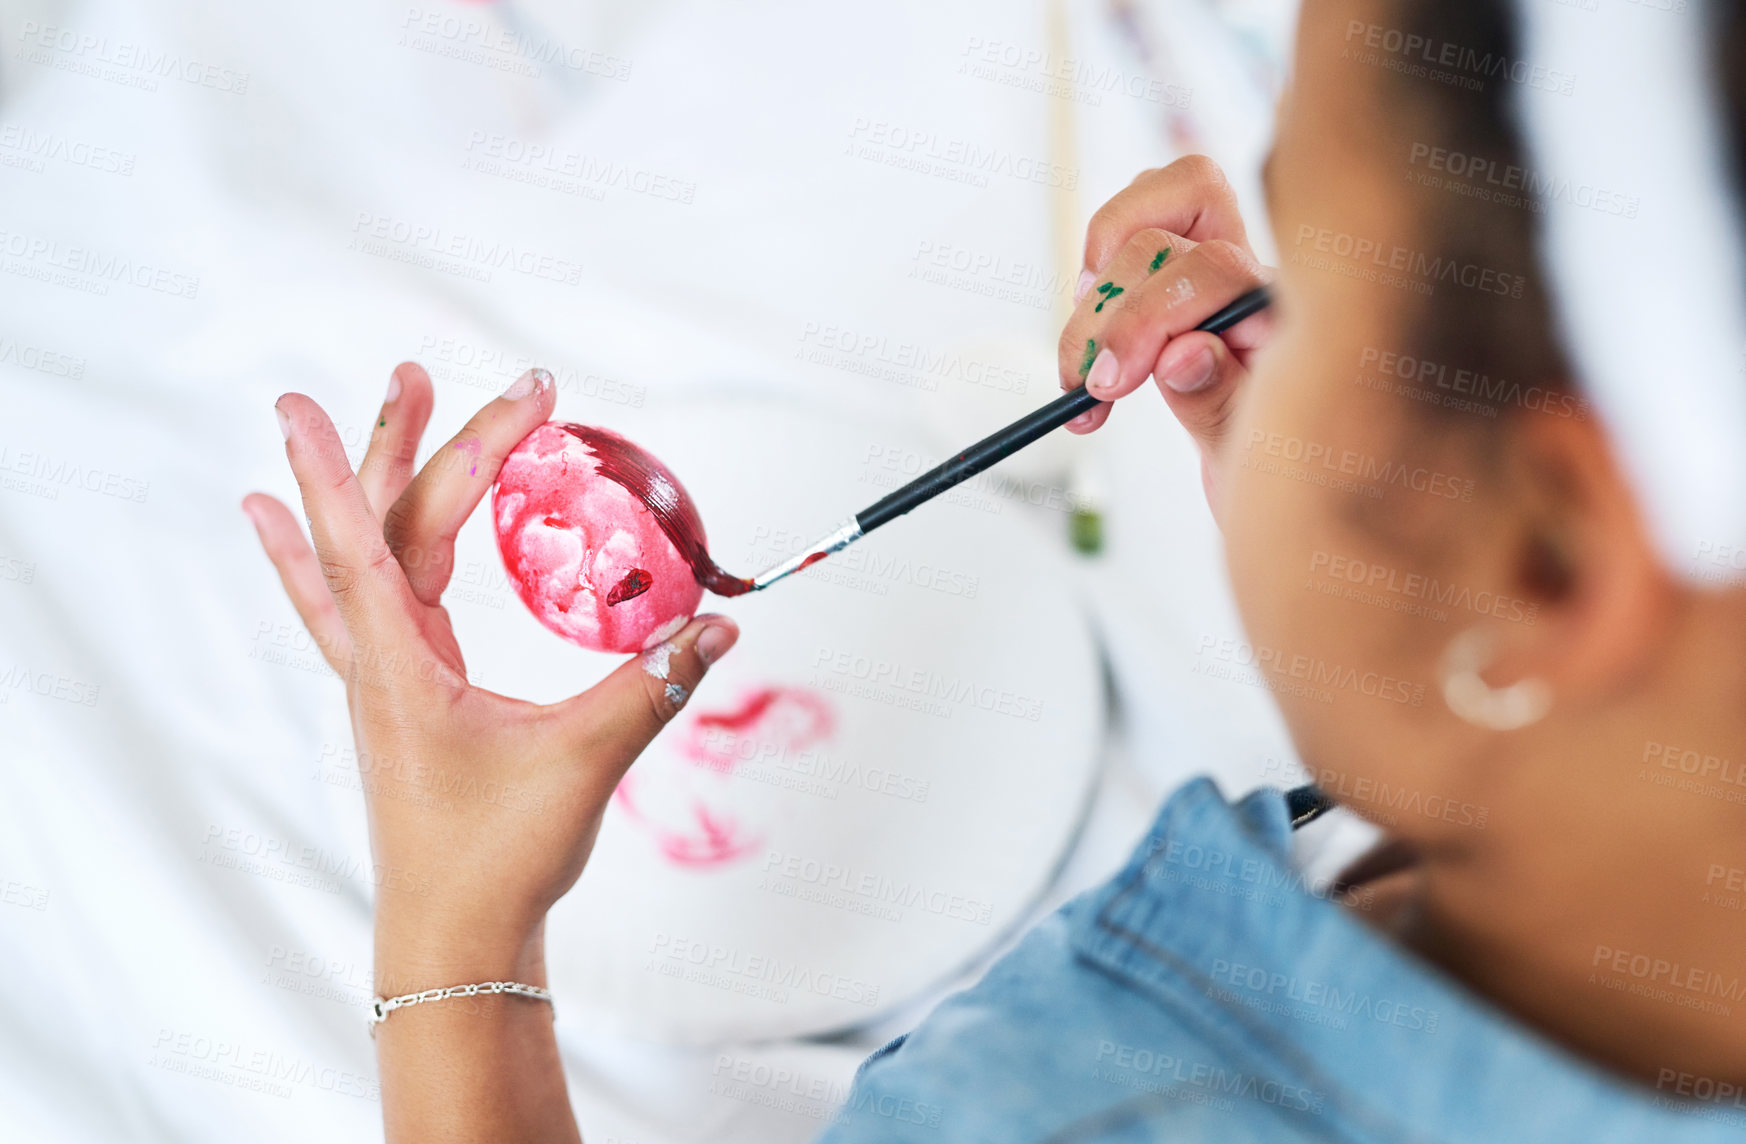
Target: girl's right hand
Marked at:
1161, 257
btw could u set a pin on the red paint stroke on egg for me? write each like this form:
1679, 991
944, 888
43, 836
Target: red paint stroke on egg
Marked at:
686, 806
659, 490
573, 538
634, 584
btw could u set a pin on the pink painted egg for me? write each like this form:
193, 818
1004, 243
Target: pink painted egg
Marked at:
586, 555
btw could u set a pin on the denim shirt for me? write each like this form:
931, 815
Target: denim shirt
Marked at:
1205, 993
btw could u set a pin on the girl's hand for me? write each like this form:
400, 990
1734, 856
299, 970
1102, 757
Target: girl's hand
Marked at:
482, 808
1161, 257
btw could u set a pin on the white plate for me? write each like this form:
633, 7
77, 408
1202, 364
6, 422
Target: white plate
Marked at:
900, 802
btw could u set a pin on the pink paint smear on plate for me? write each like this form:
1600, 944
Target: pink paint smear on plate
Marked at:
687, 805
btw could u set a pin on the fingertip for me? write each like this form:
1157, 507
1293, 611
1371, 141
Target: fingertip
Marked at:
1097, 246
1105, 375
411, 373
298, 413
409, 388
1091, 420
529, 400
269, 515
717, 637
545, 391
1190, 363
1252, 332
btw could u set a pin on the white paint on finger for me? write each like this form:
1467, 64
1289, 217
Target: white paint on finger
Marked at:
658, 660
667, 630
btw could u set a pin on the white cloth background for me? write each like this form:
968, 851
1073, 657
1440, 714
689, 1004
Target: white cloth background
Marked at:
162, 713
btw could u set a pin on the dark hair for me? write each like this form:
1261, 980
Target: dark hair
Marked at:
1730, 64
1471, 113
1514, 339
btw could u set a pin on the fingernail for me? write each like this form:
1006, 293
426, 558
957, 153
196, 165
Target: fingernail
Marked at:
714, 642
284, 422
1105, 372
393, 388
1192, 374
1086, 281
522, 386
1083, 421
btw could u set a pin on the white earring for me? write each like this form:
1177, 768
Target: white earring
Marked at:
1473, 699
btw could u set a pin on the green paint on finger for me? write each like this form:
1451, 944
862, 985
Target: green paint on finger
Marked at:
1158, 260
1090, 356
382, 423
1109, 290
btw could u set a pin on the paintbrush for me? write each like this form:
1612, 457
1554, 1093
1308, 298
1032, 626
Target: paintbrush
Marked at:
976, 458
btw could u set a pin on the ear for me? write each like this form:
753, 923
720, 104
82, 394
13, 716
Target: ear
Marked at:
1585, 555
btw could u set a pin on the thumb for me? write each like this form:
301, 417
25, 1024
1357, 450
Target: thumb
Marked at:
609, 724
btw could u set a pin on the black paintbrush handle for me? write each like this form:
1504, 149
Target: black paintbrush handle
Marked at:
1006, 442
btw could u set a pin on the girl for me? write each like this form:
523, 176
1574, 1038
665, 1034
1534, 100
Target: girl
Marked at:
1478, 494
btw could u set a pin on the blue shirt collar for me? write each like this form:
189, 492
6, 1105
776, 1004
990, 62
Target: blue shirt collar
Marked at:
1212, 918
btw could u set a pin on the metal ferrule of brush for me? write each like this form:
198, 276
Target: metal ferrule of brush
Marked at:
835, 542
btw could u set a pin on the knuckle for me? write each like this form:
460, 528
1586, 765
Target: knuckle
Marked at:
398, 522
667, 674
347, 580
1146, 243
460, 458
1213, 422
339, 475
283, 550
663, 701
302, 560
1203, 171
1148, 176
1080, 326
1106, 217
381, 561
1230, 260
342, 579
1066, 350
1074, 358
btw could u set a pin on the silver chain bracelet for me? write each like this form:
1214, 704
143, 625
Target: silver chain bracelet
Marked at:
380, 1007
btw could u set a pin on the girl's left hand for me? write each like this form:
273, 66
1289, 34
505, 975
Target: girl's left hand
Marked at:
482, 808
